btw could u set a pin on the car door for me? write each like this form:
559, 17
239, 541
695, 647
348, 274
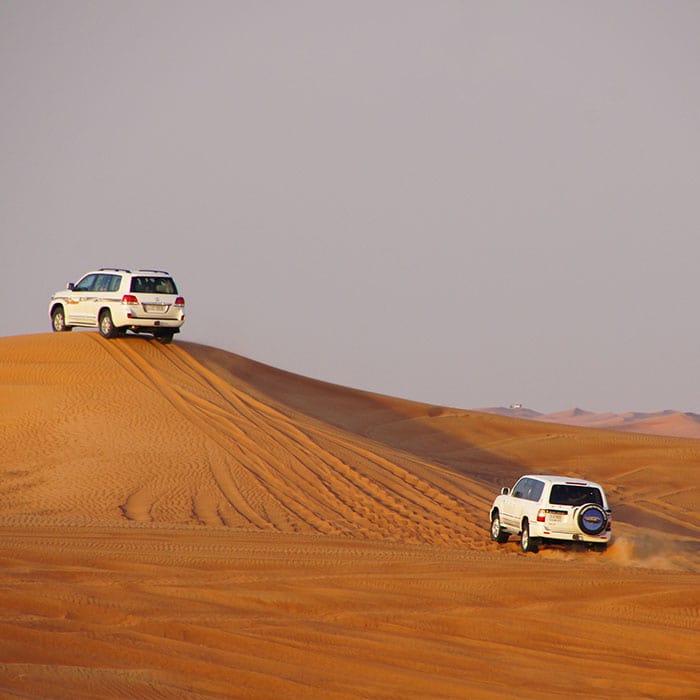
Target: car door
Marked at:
80, 302
102, 293
531, 499
512, 505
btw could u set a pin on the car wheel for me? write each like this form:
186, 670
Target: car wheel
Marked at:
107, 329
58, 320
497, 535
527, 543
165, 338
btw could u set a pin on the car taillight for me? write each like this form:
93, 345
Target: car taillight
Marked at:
541, 513
180, 301
129, 299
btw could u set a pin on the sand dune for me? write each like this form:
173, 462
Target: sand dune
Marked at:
669, 423
179, 521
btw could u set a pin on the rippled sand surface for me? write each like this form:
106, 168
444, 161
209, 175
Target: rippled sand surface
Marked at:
178, 521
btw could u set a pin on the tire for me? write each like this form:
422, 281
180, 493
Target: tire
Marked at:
497, 535
527, 543
591, 519
58, 320
107, 328
165, 338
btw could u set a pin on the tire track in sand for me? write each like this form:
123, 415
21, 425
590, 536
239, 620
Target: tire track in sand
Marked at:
292, 472
416, 501
252, 469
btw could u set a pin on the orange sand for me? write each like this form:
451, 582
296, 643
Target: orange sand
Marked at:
178, 521
667, 422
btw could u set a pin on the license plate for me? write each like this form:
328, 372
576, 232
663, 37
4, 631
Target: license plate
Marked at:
155, 308
555, 517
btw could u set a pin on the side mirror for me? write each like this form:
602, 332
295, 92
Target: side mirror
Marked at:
70, 286
505, 491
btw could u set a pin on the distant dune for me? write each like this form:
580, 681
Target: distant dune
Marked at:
670, 423
180, 521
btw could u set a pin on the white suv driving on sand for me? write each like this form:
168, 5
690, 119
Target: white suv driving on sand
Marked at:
541, 508
116, 300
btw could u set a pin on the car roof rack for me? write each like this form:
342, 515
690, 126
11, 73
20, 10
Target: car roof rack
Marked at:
114, 269
160, 272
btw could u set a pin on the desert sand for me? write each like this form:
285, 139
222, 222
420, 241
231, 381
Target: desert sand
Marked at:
667, 422
182, 522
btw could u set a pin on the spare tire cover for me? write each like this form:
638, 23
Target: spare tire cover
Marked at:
592, 519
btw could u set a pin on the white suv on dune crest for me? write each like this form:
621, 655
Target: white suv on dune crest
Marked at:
555, 508
116, 300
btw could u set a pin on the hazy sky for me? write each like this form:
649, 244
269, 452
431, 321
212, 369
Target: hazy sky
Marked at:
464, 203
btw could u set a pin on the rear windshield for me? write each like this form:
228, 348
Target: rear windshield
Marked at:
568, 495
153, 285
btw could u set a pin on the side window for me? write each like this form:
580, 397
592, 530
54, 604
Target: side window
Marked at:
103, 282
520, 488
535, 490
86, 284
527, 489
114, 283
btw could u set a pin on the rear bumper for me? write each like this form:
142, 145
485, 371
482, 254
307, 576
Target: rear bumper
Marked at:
544, 533
126, 317
150, 323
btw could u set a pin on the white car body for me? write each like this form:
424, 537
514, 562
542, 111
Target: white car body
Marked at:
555, 508
116, 300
